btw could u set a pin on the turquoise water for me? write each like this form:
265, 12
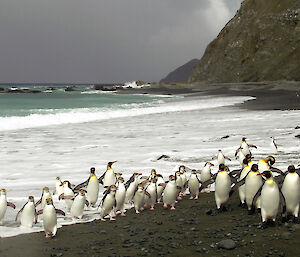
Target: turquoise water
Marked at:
23, 104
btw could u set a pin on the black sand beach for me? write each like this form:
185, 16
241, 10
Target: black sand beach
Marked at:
194, 228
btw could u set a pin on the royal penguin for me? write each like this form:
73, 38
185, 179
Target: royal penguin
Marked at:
68, 195
49, 218
3, 205
221, 157
45, 194
131, 186
139, 197
253, 182
159, 189
193, 185
291, 191
79, 202
108, 203
170, 192
273, 146
28, 213
270, 198
240, 156
152, 191
120, 195
205, 174
108, 178
58, 190
222, 187
247, 164
182, 170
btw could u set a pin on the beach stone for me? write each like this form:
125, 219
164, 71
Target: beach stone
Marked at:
286, 235
227, 244
208, 212
297, 127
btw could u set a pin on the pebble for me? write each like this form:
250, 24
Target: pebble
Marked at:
226, 244
286, 235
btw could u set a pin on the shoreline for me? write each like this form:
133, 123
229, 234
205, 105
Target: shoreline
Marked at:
193, 229
278, 95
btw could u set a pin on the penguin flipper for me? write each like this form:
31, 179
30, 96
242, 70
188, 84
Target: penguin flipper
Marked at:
83, 184
60, 212
282, 199
253, 146
100, 180
38, 202
35, 217
273, 169
256, 196
227, 158
236, 172
11, 205
19, 212
162, 184
39, 212
206, 183
236, 151
237, 184
298, 172
61, 196
87, 203
147, 194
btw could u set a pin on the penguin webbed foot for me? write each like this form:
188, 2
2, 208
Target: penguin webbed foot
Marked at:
251, 211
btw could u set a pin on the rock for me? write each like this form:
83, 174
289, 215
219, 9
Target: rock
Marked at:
297, 127
69, 89
298, 136
227, 244
286, 235
209, 212
164, 156
224, 137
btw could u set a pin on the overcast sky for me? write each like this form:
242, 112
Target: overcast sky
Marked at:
105, 40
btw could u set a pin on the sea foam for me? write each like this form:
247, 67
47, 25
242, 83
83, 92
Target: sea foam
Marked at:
82, 115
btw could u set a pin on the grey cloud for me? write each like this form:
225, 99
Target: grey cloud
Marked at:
104, 41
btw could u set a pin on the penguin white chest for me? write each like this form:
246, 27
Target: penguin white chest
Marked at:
92, 190
3, 207
28, 215
170, 193
109, 178
252, 185
291, 191
49, 219
269, 200
205, 174
222, 188
78, 206
193, 184
120, 196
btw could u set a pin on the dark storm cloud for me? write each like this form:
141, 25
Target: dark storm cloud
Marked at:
104, 41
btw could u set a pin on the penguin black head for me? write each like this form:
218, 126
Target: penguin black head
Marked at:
291, 169
244, 139
267, 174
271, 160
247, 159
254, 167
110, 164
93, 170
221, 166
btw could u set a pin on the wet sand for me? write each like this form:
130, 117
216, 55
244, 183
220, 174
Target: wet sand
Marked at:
193, 229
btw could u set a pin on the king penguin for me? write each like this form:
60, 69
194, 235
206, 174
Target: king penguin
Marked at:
28, 213
273, 146
247, 167
271, 197
108, 178
291, 191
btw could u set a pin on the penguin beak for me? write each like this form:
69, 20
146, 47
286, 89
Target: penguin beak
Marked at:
212, 164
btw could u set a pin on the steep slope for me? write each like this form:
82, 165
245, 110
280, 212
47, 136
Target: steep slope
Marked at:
260, 43
182, 73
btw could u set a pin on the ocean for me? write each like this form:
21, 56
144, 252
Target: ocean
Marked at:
58, 133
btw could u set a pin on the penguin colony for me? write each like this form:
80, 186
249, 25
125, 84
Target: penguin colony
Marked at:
262, 188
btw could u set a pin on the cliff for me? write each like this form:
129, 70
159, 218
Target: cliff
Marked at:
260, 43
181, 74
